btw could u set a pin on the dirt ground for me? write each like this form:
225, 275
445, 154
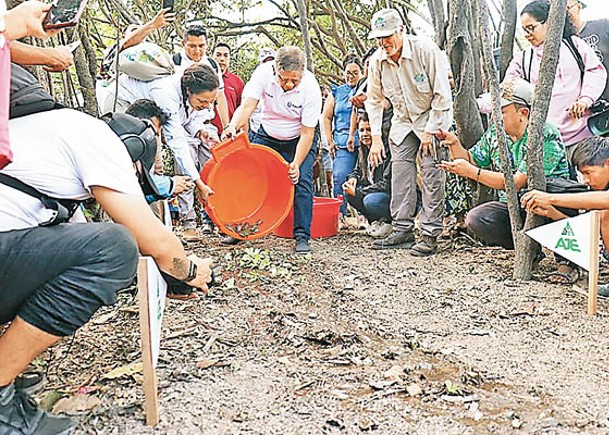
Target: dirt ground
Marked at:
349, 340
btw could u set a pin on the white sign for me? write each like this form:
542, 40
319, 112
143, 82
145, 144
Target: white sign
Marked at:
568, 237
157, 291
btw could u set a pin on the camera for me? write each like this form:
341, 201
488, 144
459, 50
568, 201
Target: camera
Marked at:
439, 153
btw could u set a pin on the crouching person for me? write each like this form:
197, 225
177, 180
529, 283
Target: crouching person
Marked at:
491, 221
56, 275
369, 189
591, 158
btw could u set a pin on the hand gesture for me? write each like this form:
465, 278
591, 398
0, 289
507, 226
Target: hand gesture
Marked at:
377, 152
294, 172
459, 167
62, 58
163, 18
181, 184
578, 109
229, 132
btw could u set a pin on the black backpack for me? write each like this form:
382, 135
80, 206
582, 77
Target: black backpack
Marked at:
177, 60
27, 94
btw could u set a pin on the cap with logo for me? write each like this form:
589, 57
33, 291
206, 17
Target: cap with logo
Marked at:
385, 23
266, 54
517, 91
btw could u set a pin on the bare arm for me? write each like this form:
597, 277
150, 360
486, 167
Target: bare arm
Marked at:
222, 108
492, 179
326, 119
161, 19
152, 237
53, 58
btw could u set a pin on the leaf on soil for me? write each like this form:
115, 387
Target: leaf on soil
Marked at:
382, 385
340, 394
76, 403
126, 370
50, 399
104, 318
414, 390
394, 373
206, 363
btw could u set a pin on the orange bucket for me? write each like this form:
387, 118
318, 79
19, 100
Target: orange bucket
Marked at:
252, 191
323, 224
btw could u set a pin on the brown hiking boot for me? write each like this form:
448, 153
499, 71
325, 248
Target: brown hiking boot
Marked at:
426, 246
395, 240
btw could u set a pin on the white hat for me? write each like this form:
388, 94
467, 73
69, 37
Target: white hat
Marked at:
384, 23
266, 54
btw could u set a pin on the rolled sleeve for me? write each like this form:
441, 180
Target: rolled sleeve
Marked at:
375, 97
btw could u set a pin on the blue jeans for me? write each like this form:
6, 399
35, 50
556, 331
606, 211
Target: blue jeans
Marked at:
344, 162
374, 206
303, 193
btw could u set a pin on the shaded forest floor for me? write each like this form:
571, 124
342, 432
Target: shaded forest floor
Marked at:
348, 340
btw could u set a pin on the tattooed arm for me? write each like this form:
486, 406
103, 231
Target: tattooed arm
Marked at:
152, 237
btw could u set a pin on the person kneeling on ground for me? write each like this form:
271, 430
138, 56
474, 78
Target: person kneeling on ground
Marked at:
591, 158
491, 221
55, 277
369, 189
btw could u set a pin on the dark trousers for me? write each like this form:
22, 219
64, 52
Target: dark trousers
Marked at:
55, 278
490, 222
374, 206
303, 193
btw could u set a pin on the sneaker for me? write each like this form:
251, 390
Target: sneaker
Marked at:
372, 228
207, 228
427, 246
382, 230
302, 246
395, 240
603, 291
31, 382
191, 235
229, 241
19, 415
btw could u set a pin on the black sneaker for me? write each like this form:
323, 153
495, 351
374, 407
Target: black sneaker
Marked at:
229, 241
302, 246
395, 240
19, 415
30, 382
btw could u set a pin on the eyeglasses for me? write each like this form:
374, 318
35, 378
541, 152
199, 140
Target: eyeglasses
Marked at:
530, 29
284, 80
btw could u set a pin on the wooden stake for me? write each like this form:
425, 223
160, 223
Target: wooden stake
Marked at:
595, 219
151, 402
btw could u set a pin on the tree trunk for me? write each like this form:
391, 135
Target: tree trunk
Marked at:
510, 16
436, 8
467, 115
490, 73
306, 37
526, 248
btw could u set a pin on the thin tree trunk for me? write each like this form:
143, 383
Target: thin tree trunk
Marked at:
467, 115
436, 8
306, 37
526, 248
510, 16
490, 73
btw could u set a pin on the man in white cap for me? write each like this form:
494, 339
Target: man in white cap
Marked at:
595, 33
411, 72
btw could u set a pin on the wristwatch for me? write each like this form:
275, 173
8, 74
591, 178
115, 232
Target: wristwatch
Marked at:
192, 272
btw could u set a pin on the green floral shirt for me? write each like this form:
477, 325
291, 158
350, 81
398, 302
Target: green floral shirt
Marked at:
555, 164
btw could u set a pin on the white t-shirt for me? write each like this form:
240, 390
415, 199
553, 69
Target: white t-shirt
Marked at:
186, 62
284, 113
181, 125
61, 153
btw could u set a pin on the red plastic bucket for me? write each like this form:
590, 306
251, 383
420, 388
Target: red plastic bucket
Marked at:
324, 223
252, 191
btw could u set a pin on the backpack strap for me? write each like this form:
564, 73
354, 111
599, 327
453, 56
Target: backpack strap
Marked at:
177, 59
63, 209
526, 71
214, 64
577, 55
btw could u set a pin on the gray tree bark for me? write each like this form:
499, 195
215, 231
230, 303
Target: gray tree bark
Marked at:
490, 73
526, 248
510, 15
467, 115
436, 8
306, 37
